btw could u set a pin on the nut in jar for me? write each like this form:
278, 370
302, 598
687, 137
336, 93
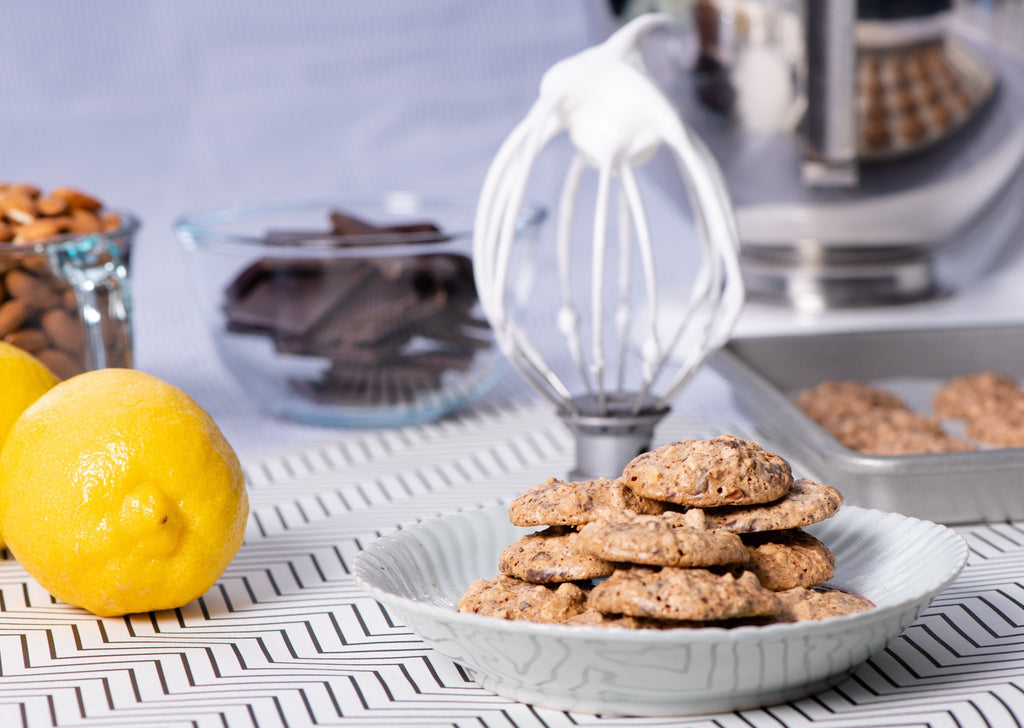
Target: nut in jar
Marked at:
64, 278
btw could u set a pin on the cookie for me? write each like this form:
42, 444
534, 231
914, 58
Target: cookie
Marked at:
559, 503
665, 540
916, 442
593, 618
972, 395
869, 428
705, 473
832, 399
686, 594
806, 502
551, 556
1002, 426
785, 559
802, 605
510, 598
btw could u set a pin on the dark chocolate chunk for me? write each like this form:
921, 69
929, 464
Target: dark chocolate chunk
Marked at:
390, 326
290, 297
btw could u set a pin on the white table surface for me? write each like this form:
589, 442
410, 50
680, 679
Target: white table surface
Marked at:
163, 108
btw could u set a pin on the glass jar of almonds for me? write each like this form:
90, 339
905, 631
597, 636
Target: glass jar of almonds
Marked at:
64, 291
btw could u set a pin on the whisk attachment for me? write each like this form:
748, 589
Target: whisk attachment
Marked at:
610, 436
624, 358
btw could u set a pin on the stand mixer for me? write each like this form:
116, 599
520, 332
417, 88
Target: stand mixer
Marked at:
874, 150
601, 347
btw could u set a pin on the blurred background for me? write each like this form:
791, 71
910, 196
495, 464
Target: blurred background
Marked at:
165, 108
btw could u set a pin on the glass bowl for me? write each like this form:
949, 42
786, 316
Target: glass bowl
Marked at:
359, 311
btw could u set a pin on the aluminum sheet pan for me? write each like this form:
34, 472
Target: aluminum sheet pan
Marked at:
962, 487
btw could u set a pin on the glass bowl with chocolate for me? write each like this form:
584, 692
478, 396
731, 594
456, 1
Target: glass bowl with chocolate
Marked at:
359, 311
64, 292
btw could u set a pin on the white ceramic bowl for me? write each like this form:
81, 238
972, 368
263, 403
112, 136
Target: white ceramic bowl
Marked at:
420, 572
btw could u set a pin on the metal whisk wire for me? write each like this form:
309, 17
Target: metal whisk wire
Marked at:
616, 118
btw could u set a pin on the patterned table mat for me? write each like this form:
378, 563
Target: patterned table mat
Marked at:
287, 639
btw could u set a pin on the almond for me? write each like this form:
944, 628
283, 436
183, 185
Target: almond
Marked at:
31, 340
30, 289
83, 222
27, 215
60, 363
39, 263
76, 199
110, 221
69, 299
17, 206
25, 188
64, 330
13, 314
51, 206
40, 229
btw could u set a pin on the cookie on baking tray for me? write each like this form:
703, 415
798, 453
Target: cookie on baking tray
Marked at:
869, 429
1002, 425
971, 395
832, 399
721, 471
669, 539
917, 442
559, 503
873, 421
551, 556
687, 594
786, 559
510, 598
806, 502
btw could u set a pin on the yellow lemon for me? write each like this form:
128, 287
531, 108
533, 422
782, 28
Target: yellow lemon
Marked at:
119, 494
23, 379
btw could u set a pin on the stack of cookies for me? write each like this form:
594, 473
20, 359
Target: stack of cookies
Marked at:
695, 533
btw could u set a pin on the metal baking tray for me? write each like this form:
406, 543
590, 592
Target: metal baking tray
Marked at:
961, 487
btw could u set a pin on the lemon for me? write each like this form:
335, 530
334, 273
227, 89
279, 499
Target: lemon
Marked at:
23, 379
119, 494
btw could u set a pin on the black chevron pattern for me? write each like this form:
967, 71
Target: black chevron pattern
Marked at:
286, 639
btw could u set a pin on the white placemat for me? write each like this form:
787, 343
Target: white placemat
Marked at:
285, 638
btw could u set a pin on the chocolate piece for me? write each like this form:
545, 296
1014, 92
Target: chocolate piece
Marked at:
361, 233
290, 297
389, 325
